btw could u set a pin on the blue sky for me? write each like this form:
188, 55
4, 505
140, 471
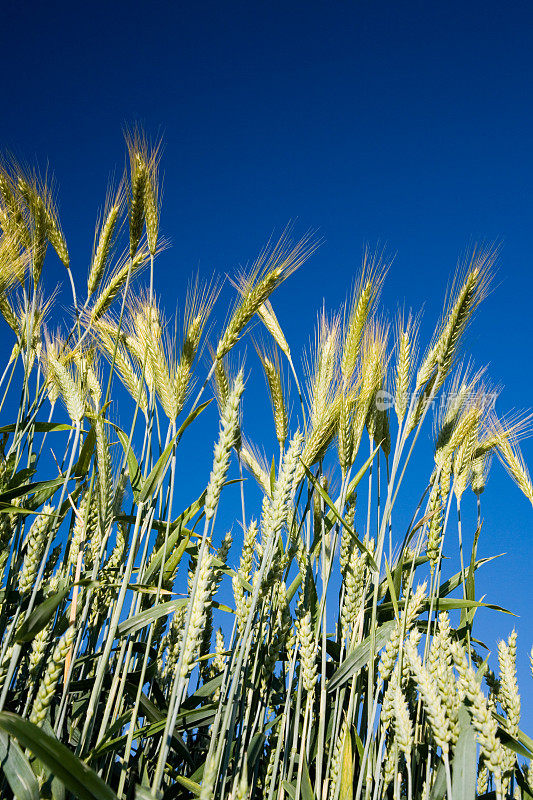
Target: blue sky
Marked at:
406, 124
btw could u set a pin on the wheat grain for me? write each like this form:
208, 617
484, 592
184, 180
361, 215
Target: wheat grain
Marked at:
103, 243
47, 687
35, 546
271, 268
482, 719
229, 422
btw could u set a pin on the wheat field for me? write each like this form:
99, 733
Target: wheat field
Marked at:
315, 648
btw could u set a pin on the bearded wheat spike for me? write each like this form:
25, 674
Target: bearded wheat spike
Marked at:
55, 235
247, 552
251, 461
8, 313
182, 374
435, 526
146, 341
284, 488
242, 600
38, 198
306, 641
4, 665
486, 445
336, 760
284, 619
272, 267
219, 661
266, 313
68, 386
39, 243
462, 465
136, 189
373, 366
354, 331
53, 389
482, 719
360, 309
322, 380
509, 699
7, 192
482, 785
15, 257
103, 245
13, 262
200, 604
508, 694
31, 193
35, 545
79, 529
87, 369
391, 759
152, 200
38, 649
229, 423
30, 323
162, 371
276, 512
467, 299
105, 477
320, 436
386, 716
242, 603
441, 355
445, 480
513, 461
214, 583
464, 387
94, 524
123, 365
47, 687
221, 382
465, 428
439, 664
115, 559
165, 386
479, 475
346, 546
345, 432
173, 641
115, 284
355, 585
440, 724
403, 726
403, 371
272, 370
381, 434
143, 335
408, 617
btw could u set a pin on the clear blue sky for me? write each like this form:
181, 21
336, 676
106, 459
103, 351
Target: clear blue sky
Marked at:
404, 123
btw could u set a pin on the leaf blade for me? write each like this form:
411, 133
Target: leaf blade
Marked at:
78, 778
